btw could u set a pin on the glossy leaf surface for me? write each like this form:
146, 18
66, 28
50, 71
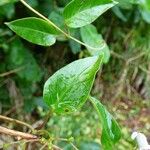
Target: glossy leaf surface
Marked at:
34, 30
79, 13
91, 37
110, 129
68, 89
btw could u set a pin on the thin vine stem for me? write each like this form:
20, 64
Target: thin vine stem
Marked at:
56, 27
46, 119
44, 146
16, 121
75, 148
11, 72
19, 142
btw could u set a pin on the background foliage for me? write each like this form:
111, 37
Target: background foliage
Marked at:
123, 82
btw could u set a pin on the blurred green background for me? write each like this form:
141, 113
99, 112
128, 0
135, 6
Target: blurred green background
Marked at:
123, 83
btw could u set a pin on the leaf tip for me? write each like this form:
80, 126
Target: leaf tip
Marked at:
115, 2
6, 23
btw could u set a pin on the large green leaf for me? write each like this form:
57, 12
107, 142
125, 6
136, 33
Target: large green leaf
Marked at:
80, 13
34, 30
68, 89
111, 132
91, 37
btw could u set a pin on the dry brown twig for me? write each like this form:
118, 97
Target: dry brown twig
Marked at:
16, 121
11, 72
120, 83
18, 134
22, 135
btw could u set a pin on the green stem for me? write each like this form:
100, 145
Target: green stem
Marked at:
46, 119
56, 27
91, 100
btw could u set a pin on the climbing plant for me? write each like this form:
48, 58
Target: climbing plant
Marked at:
67, 90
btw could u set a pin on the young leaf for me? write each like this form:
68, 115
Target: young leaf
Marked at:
34, 30
68, 89
111, 132
80, 13
91, 37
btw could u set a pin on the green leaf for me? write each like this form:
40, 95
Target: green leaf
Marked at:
80, 13
34, 30
3, 2
126, 4
4, 10
75, 47
146, 16
57, 18
117, 11
145, 4
68, 89
111, 131
91, 37
145, 10
32, 3
20, 57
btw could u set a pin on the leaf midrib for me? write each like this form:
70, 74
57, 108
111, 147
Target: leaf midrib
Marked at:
79, 12
30, 29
